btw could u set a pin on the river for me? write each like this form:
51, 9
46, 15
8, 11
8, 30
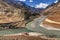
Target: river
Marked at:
35, 26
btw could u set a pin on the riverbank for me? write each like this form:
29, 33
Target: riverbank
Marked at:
35, 26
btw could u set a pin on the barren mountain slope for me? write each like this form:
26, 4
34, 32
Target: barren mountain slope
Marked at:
13, 14
53, 19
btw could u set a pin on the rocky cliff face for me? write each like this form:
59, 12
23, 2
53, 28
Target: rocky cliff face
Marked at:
13, 14
53, 17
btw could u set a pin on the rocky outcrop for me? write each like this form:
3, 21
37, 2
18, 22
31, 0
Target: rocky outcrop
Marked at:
53, 17
13, 14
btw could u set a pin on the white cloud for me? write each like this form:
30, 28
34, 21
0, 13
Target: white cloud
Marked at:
22, 0
56, 1
41, 5
31, 0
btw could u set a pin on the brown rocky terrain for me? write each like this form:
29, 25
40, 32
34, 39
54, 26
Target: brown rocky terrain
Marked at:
53, 16
13, 15
23, 37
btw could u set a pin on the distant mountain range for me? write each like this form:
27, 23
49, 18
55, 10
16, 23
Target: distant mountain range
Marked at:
20, 4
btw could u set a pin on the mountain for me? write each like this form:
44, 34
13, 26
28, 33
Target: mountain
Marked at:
15, 13
53, 16
22, 4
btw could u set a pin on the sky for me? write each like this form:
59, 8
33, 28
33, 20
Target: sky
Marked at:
39, 3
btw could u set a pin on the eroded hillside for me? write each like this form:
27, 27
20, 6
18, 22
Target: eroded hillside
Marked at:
13, 15
53, 19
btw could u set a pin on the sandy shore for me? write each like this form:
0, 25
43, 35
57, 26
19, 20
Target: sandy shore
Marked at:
29, 33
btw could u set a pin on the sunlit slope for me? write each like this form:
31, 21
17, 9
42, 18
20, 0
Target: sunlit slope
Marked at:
53, 19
